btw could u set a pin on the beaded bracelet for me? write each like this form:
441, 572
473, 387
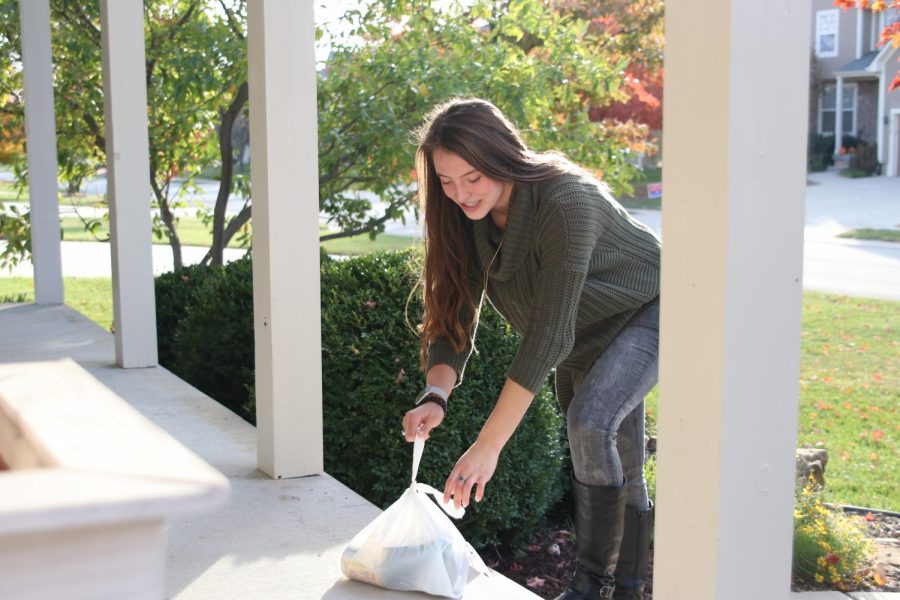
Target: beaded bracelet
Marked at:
432, 397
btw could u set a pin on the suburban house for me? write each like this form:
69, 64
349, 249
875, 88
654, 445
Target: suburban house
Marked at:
855, 74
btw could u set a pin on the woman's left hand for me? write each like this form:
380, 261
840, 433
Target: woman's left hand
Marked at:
475, 467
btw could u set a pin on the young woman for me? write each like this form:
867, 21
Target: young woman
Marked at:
578, 278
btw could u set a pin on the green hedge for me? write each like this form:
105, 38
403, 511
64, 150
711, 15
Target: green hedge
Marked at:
214, 340
175, 293
370, 368
370, 377
820, 149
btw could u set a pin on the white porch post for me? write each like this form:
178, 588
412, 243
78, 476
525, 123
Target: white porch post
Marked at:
879, 128
128, 181
839, 115
860, 17
40, 131
736, 95
286, 302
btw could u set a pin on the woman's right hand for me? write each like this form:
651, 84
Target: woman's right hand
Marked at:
422, 419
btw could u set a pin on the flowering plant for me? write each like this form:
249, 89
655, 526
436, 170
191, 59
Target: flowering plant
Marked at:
830, 547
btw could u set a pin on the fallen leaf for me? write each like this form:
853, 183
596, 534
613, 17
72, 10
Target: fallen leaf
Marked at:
535, 582
877, 435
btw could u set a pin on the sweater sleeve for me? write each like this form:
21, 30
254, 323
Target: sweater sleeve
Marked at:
566, 238
440, 350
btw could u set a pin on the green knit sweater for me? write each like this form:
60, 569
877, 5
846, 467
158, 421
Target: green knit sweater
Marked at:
573, 268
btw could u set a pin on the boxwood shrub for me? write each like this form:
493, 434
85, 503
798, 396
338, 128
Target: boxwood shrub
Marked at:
175, 293
214, 339
370, 378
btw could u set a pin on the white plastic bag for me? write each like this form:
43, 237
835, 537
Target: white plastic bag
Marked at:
413, 545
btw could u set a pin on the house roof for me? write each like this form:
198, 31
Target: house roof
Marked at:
860, 64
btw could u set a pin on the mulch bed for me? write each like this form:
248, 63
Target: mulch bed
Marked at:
547, 563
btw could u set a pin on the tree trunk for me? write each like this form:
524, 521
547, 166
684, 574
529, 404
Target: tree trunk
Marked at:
168, 220
233, 227
217, 250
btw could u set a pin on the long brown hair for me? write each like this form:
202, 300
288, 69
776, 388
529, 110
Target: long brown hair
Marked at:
480, 134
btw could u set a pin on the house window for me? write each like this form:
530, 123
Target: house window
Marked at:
889, 16
827, 32
827, 110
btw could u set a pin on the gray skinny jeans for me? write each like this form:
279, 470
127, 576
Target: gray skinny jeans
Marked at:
606, 417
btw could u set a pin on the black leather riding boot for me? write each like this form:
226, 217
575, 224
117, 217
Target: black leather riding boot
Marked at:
599, 520
634, 554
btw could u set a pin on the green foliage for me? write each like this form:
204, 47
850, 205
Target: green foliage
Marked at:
213, 342
370, 370
865, 159
542, 65
829, 546
176, 293
819, 152
195, 62
880, 235
853, 173
15, 231
650, 476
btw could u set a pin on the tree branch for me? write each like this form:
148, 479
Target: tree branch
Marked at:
232, 21
225, 153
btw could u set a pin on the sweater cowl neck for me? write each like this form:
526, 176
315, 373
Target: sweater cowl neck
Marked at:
516, 238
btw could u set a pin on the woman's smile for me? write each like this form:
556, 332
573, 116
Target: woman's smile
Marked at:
476, 194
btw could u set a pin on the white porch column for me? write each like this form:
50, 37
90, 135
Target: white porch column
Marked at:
879, 128
128, 181
286, 302
838, 115
736, 95
860, 17
40, 131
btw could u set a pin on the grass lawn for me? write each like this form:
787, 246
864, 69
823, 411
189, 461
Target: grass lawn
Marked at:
91, 296
881, 235
8, 193
361, 244
849, 382
192, 232
849, 400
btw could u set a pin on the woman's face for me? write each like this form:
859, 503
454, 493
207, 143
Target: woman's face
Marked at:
475, 193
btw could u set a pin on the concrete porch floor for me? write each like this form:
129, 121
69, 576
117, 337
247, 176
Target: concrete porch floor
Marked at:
275, 539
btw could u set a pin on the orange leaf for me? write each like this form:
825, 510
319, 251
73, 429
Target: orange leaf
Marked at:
877, 435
